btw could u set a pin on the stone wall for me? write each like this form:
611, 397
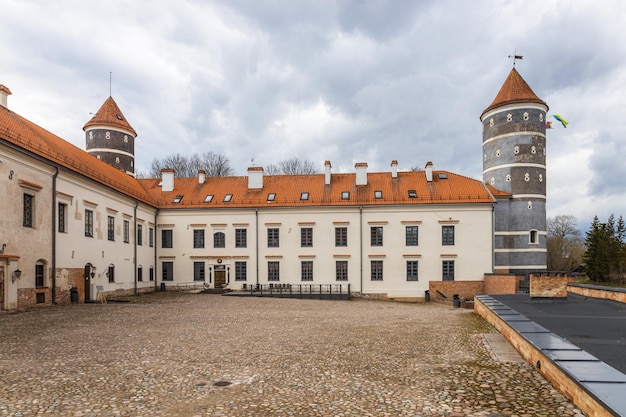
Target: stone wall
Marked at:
502, 283
447, 289
596, 291
548, 286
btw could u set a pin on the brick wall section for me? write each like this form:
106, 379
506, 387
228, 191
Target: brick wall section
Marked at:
548, 286
27, 297
550, 371
502, 283
608, 293
447, 289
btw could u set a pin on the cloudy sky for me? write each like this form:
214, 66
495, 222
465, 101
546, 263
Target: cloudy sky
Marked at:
345, 81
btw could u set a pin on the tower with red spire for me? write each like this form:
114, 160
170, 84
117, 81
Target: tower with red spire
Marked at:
111, 138
514, 165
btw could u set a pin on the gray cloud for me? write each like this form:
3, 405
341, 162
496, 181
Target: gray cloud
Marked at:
341, 80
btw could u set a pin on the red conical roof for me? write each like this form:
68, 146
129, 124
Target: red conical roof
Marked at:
514, 90
110, 115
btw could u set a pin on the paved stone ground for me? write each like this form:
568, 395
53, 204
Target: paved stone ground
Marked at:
163, 354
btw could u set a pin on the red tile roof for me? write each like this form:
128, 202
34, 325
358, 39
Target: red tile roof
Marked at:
514, 90
110, 115
455, 189
33, 138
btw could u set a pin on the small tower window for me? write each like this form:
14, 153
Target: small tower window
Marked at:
533, 237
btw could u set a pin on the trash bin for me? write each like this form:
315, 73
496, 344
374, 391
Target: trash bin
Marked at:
456, 301
162, 286
74, 295
427, 295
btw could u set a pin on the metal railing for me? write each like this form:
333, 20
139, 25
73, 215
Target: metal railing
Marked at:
320, 291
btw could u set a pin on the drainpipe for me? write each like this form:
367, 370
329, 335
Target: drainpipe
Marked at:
54, 235
256, 213
361, 248
135, 245
493, 238
154, 246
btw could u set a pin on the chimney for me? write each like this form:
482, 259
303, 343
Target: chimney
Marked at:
394, 169
167, 179
429, 171
361, 173
327, 167
255, 178
4, 94
201, 176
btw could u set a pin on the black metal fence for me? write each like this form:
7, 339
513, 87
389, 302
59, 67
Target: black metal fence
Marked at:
318, 291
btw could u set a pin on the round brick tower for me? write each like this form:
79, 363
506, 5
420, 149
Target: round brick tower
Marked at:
111, 138
514, 166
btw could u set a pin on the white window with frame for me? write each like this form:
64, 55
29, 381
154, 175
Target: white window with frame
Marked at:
273, 271
412, 270
198, 271
167, 271
447, 235
62, 218
341, 270
241, 238
376, 270
306, 270
198, 238
126, 231
241, 271
447, 270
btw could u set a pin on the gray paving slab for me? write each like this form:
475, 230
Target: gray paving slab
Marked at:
527, 326
611, 394
570, 355
593, 371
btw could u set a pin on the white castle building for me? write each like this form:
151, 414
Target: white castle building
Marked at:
78, 222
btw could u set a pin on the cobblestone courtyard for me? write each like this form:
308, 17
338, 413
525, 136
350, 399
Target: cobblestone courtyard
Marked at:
168, 354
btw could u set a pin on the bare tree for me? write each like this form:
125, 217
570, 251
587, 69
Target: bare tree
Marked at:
291, 166
272, 169
215, 165
565, 244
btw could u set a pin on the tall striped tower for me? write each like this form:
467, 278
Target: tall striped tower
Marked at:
514, 165
111, 138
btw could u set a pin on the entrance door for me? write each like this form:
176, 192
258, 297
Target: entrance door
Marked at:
220, 279
87, 282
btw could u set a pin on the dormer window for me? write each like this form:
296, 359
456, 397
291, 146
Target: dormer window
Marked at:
412, 194
378, 195
228, 197
304, 196
208, 198
177, 199
443, 176
271, 196
345, 195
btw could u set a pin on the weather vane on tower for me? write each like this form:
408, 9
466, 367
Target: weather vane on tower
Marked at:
515, 57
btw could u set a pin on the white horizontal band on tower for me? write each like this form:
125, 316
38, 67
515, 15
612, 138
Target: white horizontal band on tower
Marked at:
515, 165
521, 250
508, 135
107, 150
520, 233
514, 267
